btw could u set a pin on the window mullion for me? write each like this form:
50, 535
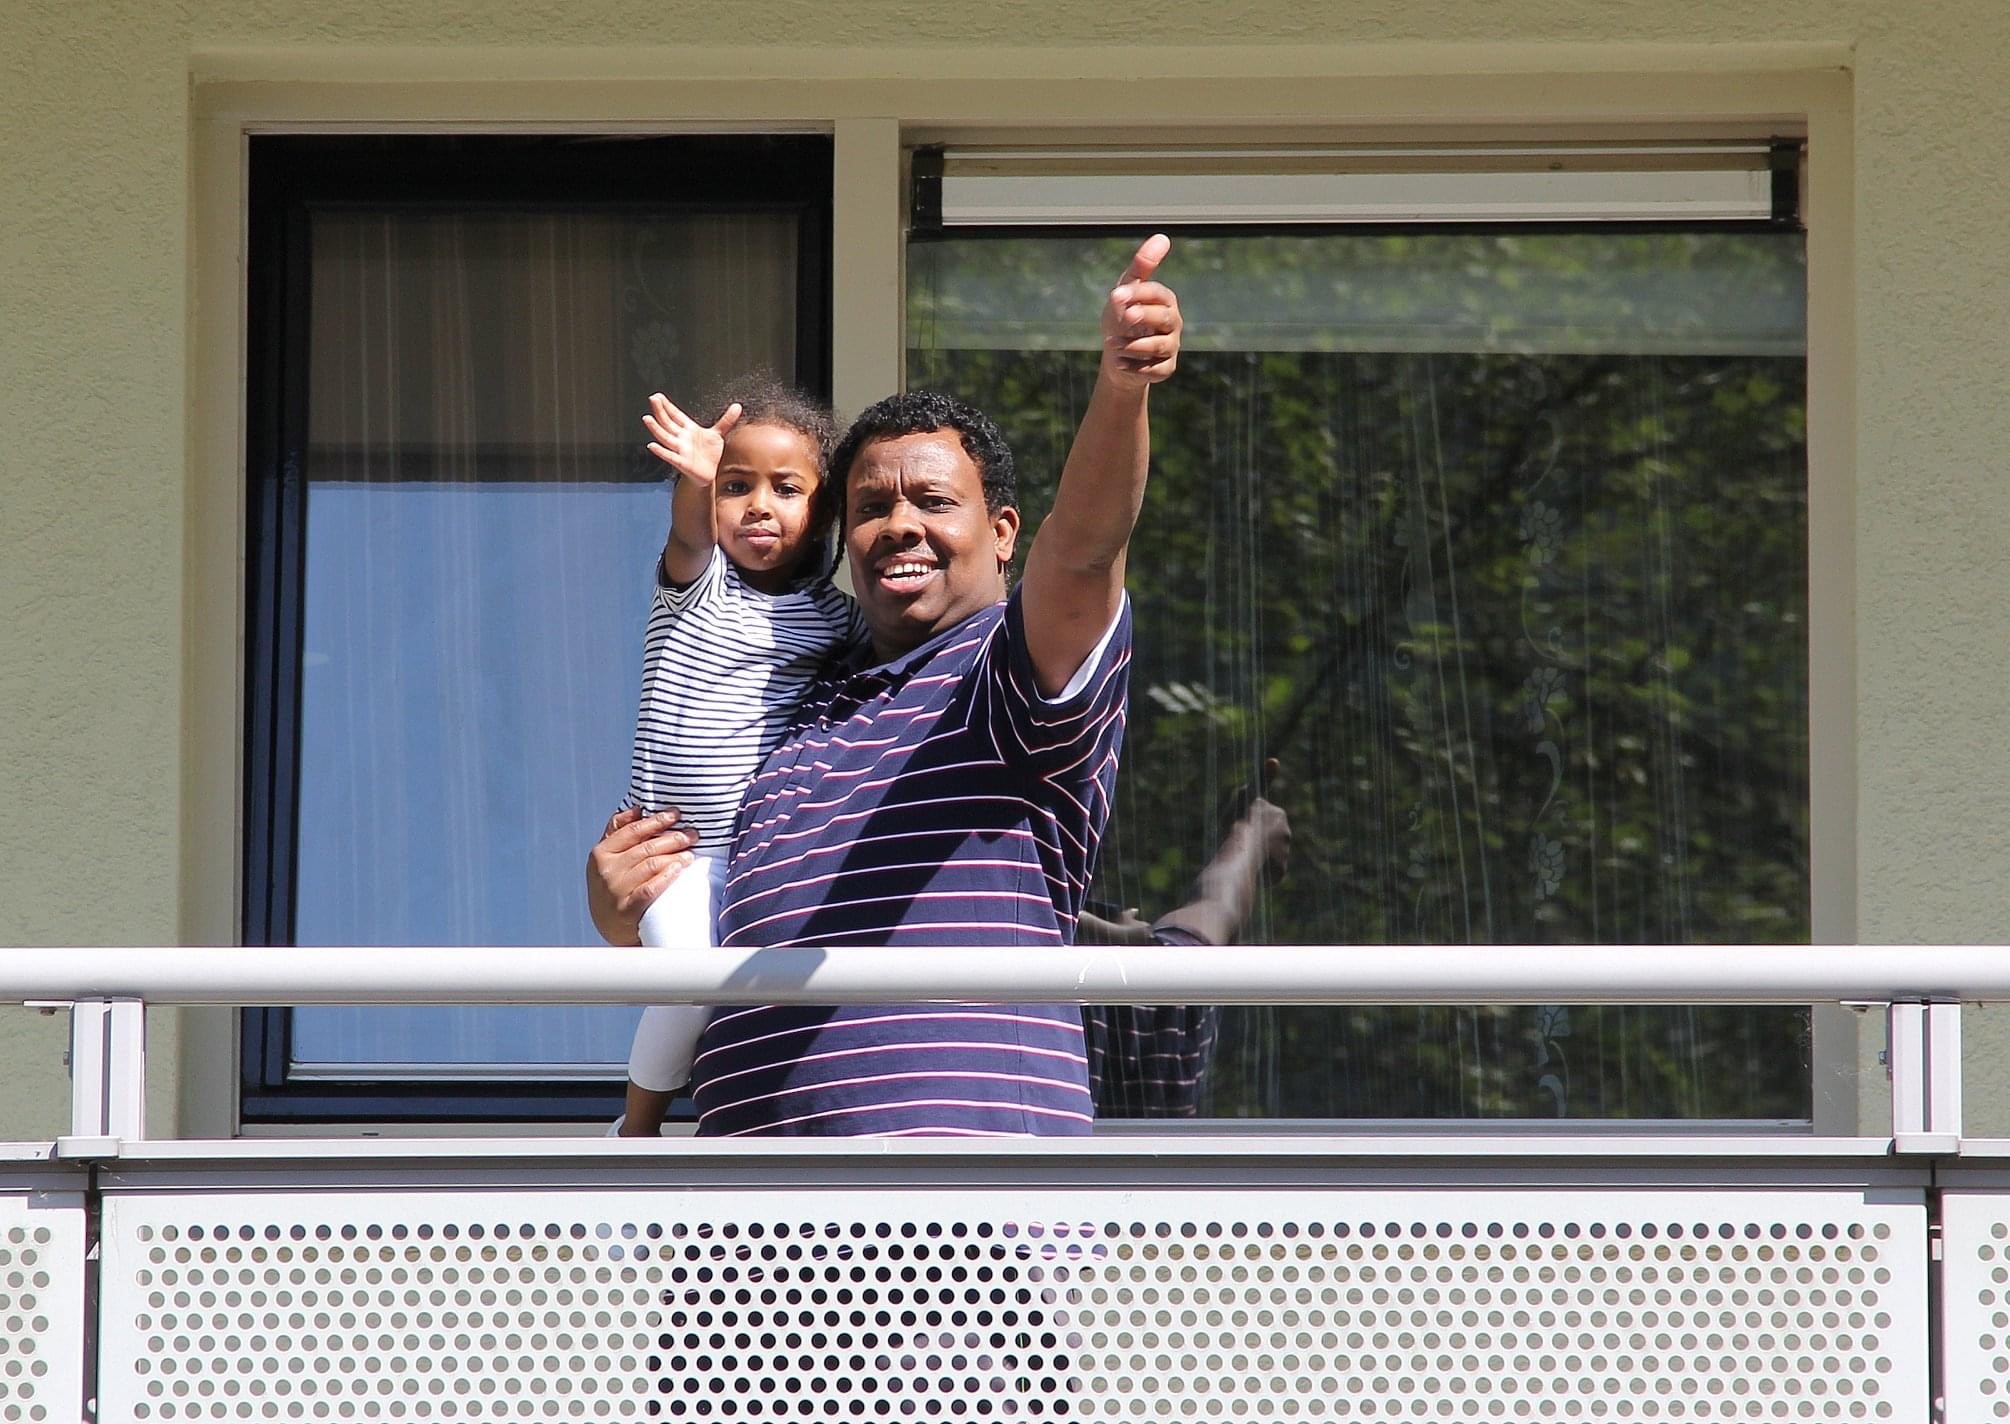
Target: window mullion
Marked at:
867, 338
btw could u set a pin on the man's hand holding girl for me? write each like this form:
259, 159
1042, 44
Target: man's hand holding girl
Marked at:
636, 858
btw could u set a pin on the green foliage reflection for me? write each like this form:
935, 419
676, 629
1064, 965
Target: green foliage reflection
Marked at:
1514, 588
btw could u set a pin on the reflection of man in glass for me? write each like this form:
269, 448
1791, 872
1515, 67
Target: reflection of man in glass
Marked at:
954, 792
1152, 1061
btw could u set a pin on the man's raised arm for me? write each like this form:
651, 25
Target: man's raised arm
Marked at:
1075, 574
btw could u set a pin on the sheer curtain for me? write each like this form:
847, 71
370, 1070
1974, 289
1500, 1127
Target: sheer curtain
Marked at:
482, 531
1497, 543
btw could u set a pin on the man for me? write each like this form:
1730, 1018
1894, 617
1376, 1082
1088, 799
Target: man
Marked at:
953, 793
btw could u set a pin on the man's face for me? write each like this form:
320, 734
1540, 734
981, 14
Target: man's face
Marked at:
925, 553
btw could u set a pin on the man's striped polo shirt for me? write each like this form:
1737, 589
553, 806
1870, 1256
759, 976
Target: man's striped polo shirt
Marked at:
937, 799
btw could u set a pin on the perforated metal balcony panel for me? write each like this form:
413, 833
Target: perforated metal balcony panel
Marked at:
1975, 1298
1599, 1303
41, 1299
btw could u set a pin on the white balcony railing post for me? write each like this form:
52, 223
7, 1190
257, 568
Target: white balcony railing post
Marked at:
107, 1077
1923, 1051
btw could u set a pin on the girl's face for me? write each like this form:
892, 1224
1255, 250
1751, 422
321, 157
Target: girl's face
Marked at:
765, 503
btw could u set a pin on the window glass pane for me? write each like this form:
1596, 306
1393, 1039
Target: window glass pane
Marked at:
482, 529
1498, 544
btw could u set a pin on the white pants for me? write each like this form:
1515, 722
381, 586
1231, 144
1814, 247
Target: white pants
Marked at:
683, 917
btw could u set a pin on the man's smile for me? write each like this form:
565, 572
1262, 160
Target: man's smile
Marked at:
904, 575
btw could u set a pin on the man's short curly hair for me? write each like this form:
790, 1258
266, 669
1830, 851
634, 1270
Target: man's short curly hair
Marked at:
922, 412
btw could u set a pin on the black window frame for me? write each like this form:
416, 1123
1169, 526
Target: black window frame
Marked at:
290, 177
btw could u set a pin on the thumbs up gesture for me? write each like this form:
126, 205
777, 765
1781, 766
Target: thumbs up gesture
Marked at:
1141, 322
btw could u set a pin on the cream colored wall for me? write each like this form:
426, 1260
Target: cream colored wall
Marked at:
116, 506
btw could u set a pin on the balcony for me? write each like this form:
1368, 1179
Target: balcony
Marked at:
1263, 1276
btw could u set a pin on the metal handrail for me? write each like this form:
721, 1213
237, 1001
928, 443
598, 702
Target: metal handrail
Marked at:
1922, 988
1270, 974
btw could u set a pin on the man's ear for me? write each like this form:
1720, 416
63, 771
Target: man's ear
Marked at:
1005, 529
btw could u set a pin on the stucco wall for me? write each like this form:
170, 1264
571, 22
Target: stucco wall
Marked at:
98, 499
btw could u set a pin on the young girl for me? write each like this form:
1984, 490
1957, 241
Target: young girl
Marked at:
745, 615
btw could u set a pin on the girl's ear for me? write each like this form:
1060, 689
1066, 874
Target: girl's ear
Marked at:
825, 505
821, 549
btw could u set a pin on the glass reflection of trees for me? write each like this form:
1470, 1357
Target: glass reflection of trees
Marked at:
1506, 563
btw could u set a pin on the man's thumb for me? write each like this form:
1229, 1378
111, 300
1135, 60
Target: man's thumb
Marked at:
1147, 258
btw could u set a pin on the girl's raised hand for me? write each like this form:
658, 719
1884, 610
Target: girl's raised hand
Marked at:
693, 450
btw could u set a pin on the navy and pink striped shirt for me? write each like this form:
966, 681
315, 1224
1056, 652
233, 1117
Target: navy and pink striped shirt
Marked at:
937, 799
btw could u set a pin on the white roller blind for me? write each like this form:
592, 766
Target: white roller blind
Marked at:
1484, 183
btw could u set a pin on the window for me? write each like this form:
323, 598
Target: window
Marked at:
1479, 505
453, 532
1481, 508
